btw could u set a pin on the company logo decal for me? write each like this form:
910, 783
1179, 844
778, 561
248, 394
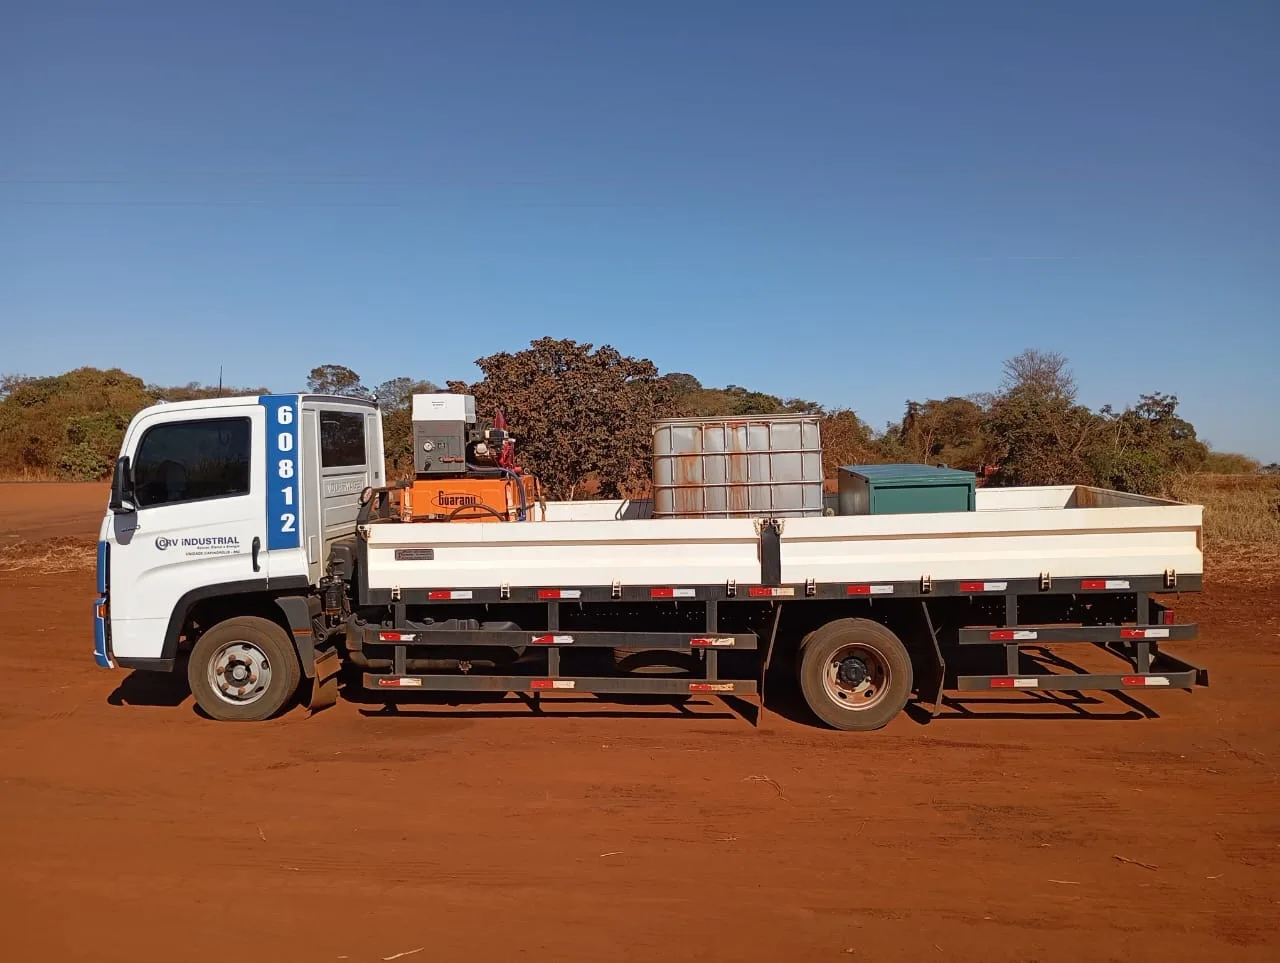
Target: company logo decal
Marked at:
455, 500
204, 545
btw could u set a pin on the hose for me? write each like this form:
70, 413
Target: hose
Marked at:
523, 514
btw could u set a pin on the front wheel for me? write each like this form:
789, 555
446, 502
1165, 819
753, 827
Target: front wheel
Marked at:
243, 670
855, 674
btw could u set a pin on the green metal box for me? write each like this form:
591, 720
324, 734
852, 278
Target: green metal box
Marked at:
904, 490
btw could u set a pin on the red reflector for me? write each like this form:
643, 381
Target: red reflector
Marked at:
541, 683
858, 590
759, 591
972, 586
662, 593
1132, 634
548, 593
1094, 583
439, 595
1002, 683
710, 686
551, 639
1133, 680
1167, 617
1003, 636
389, 636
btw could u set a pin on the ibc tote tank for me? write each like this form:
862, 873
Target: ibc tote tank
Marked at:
750, 466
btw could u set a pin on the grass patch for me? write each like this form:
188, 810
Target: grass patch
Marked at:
1241, 516
30, 475
1238, 509
53, 556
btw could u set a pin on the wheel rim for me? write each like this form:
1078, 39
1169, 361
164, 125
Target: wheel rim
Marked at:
239, 673
856, 677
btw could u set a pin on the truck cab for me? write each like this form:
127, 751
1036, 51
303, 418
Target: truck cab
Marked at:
226, 504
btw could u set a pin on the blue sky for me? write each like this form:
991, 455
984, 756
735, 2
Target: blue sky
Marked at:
854, 202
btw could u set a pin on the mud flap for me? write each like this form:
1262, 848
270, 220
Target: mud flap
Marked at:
324, 685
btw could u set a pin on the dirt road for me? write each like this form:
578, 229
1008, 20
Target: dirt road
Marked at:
133, 830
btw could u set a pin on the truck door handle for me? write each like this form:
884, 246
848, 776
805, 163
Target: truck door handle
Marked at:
257, 547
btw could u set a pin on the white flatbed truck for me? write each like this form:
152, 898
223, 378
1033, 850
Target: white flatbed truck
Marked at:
252, 541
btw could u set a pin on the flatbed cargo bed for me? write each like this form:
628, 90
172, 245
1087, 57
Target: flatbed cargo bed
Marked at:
1054, 533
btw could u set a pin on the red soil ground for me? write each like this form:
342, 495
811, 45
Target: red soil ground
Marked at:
133, 830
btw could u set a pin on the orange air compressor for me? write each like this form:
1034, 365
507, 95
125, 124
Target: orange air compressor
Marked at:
465, 474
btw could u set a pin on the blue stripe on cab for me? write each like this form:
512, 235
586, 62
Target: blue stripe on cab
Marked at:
283, 469
104, 561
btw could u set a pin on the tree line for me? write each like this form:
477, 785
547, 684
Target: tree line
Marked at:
583, 413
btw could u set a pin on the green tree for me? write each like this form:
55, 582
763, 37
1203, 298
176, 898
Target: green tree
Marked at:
846, 440
195, 391
1140, 448
395, 398
69, 424
335, 379
737, 401
576, 413
681, 384
1039, 434
397, 393
947, 431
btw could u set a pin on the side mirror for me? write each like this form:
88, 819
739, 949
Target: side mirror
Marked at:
122, 501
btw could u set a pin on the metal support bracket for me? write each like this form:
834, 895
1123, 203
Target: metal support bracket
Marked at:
940, 663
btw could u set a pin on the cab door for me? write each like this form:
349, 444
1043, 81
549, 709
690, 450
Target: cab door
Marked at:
199, 489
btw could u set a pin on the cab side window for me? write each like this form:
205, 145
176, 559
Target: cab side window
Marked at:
192, 461
341, 439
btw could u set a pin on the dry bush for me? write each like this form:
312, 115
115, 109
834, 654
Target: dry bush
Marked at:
53, 556
1230, 463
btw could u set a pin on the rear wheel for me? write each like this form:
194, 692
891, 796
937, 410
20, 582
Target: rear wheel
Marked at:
855, 674
243, 670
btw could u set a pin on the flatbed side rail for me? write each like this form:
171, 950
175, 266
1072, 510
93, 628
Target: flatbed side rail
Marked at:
1138, 645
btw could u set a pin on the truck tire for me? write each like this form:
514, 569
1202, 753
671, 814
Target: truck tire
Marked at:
855, 674
243, 670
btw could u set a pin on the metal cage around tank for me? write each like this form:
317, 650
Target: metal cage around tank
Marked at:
734, 467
